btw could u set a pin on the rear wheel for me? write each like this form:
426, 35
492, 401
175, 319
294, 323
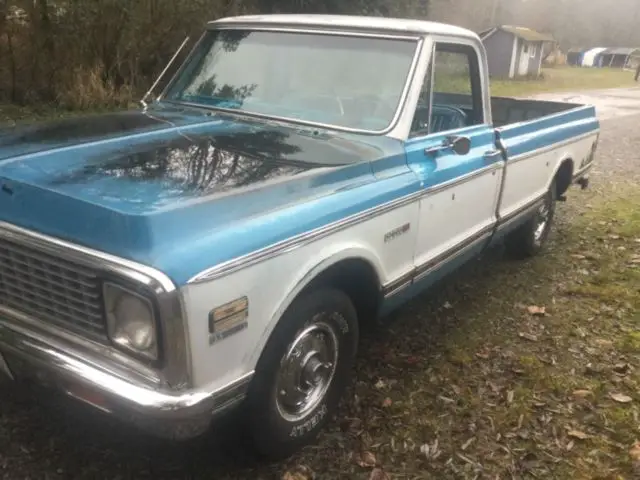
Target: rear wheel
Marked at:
302, 373
531, 237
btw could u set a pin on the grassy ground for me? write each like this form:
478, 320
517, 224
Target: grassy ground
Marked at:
529, 370
559, 79
12, 114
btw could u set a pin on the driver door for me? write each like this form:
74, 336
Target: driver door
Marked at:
458, 206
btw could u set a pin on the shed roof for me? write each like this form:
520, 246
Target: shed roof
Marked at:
621, 51
521, 32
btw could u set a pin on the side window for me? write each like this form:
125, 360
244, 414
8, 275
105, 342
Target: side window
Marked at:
451, 95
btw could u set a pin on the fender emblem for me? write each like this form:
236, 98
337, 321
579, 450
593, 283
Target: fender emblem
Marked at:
396, 232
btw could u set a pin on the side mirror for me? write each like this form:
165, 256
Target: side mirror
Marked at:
459, 145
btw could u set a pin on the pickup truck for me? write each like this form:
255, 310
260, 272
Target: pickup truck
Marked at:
221, 248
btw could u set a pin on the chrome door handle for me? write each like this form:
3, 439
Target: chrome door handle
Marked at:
491, 154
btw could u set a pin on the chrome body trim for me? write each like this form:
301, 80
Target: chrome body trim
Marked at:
549, 148
527, 209
400, 108
305, 238
430, 266
437, 262
175, 370
276, 249
342, 32
352, 22
159, 410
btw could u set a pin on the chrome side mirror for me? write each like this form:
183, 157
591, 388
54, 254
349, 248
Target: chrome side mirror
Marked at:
459, 146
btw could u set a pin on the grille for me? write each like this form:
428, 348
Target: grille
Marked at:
50, 290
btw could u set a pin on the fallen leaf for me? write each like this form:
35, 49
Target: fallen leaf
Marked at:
300, 473
535, 310
582, 393
466, 444
578, 257
604, 343
528, 336
634, 452
622, 368
580, 332
412, 360
510, 395
614, 237
366, 459
380, 384
378, 474
621, 398
387, 402
570, 445
577, 434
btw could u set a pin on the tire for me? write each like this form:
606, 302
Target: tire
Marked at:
530, 238
277, 427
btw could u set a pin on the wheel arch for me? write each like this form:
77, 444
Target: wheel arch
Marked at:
330, 271
563, 175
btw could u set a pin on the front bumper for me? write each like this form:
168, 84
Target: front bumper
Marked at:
175, 415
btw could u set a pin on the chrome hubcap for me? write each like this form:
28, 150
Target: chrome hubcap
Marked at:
542, 221
306, 371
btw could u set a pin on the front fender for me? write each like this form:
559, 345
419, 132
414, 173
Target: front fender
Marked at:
307, 273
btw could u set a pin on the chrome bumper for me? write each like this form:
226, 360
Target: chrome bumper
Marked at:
176, 415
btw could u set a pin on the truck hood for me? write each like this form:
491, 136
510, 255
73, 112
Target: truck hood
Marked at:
148, 186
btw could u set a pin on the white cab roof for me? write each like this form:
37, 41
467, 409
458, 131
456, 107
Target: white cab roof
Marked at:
350, 22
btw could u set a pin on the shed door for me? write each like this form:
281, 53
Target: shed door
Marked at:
525, 53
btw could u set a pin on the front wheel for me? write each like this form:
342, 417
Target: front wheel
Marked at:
302, 373
530, 238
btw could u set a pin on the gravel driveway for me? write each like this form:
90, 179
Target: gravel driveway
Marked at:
49, 438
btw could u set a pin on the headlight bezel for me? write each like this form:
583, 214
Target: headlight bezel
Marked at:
154, 358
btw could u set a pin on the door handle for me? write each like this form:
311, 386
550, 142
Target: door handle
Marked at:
491, 154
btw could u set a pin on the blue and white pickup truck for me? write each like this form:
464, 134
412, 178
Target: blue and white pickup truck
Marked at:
298, 178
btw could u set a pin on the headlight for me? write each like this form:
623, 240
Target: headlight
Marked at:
130, 321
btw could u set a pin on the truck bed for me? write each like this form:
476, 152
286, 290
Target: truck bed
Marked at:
508, 110
527, 126
513, 110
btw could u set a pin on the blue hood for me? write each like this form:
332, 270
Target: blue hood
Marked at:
154, 187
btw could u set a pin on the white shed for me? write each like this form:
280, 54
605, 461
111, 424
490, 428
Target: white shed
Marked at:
590, 57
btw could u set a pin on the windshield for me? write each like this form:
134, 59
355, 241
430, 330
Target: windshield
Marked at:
345, 81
